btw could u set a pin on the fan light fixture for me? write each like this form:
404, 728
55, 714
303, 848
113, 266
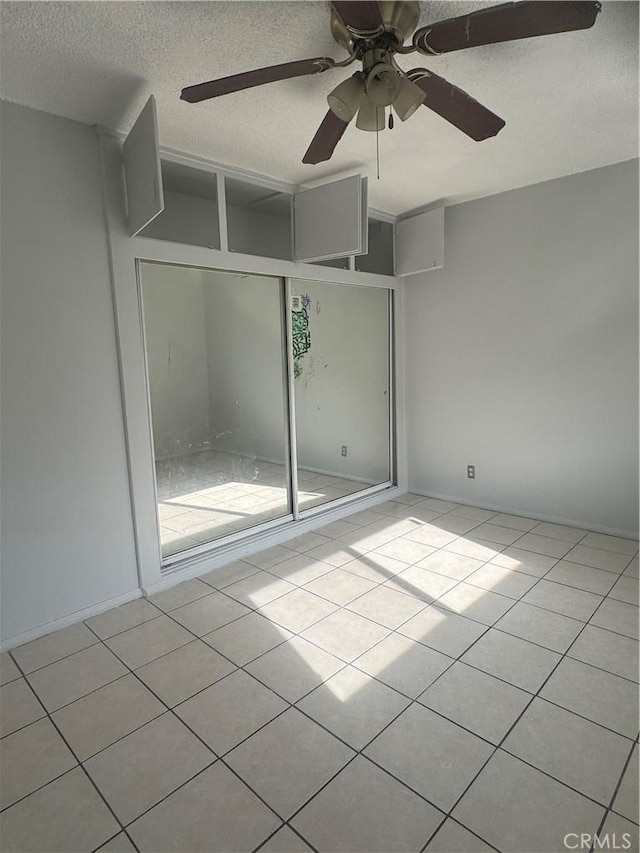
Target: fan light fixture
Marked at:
370, 115
346, 98
410, 97
383, 84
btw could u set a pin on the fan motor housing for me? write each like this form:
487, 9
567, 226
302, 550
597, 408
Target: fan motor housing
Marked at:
400, 20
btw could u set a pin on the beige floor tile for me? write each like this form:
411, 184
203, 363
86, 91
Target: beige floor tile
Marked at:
470, 546
517, 808
300, 569
428, 537
101, 718
442, 630
294, 668
30, 758
183, 593
247, 638
375, 567
452, 565
66, 815
625, 589
70, 678
475, 603
206, 614
517, 661
225, 575
517, 522
142, 768
474, 512
446, 761
596, 695
230, 710
551, 630
559, 531
603, 542
545, 545
527, 562
598, 559
147, 642
477, 701
288, 761
566, 600
285, 840
53, 647
339, 586
297, 610
119, 844
627, 798
455, 524
617, 616
345, 635
332, 553
606, 650
408, 551
573, 750
258, 589
501, 580
581, 577
389, 816
234, 819
627, 833
18, 707
8, 670
269, 557
403, 664
422, 584
492, 532
453, 838
353, 705
178, 675
386, 606
122, 618
307, 541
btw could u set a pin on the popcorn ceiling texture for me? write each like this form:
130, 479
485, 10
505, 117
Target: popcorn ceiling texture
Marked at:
570, 101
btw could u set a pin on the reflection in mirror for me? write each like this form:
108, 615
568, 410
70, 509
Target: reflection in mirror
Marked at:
341, 389
215, 371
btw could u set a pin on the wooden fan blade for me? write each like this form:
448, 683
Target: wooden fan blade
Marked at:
508, 22
458, 108
360, 16
236, 82
327, 137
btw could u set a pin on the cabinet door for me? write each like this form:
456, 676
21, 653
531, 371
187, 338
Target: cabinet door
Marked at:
420, 242
141, 153
330, 221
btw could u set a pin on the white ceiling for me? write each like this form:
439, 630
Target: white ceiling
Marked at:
570, 101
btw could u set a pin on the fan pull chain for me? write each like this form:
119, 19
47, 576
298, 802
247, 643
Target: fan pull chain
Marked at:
377, 144
390, 119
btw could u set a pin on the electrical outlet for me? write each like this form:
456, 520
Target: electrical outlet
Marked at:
471, 472
344, 450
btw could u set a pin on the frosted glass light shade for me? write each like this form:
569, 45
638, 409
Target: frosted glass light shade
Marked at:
370, 115
409, 99
383, 84
346, 97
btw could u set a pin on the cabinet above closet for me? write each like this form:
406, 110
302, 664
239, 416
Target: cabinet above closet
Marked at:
174, 198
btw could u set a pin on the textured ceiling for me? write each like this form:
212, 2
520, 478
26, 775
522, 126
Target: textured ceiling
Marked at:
570, 101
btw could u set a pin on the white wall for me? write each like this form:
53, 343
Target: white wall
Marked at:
67, 538
176, 342
522, 353
342, 394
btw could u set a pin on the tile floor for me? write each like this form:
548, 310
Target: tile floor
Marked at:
203, 496
418, 677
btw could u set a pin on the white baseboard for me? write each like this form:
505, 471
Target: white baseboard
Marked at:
510, 510
71, 619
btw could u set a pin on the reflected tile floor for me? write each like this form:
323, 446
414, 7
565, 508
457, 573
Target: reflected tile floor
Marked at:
421, 676
206, 495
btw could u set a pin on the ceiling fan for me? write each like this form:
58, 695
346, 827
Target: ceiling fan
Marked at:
374, 31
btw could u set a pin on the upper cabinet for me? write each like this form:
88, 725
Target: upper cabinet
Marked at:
177, 199
420, 242
330, 221
143, 176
